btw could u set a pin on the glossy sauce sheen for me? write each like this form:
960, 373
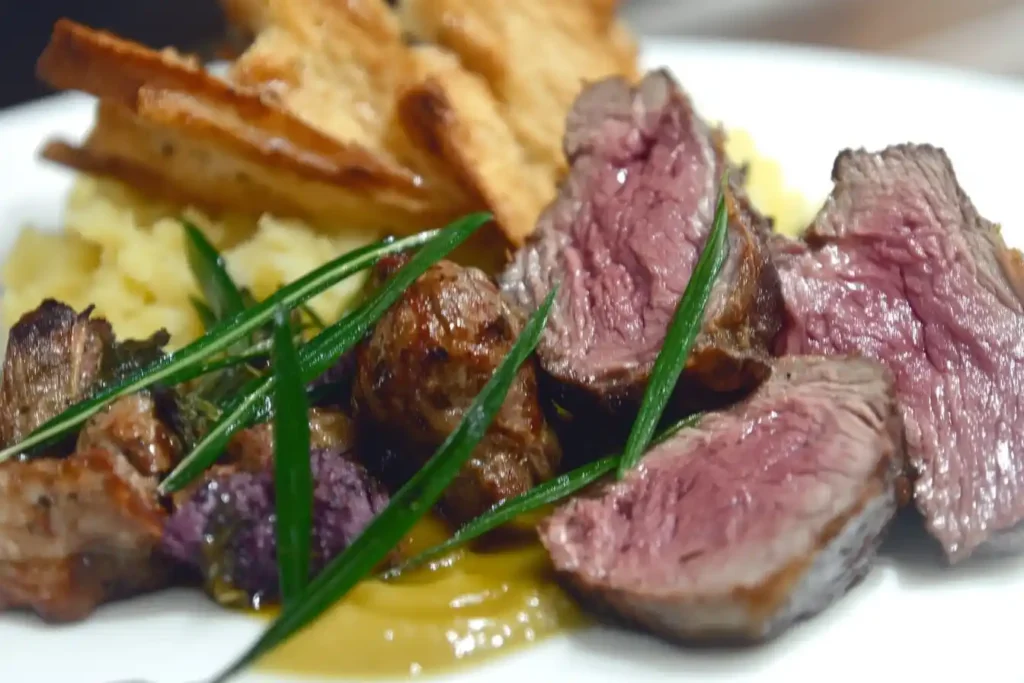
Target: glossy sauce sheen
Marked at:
465, 607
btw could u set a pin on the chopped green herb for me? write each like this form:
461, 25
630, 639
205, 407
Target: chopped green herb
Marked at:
222, 295
293, 477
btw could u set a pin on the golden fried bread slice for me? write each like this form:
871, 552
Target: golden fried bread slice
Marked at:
339, 66
535, 55
451, 112
221, 144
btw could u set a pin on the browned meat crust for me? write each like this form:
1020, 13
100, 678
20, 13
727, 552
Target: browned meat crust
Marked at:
427, 359
54, 355
75, 533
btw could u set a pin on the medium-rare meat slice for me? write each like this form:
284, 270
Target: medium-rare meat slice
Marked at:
623, 237
752, 519
427, 359
78, 530
901, 268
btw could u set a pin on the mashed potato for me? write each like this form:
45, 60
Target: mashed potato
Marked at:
125, 253
767, 186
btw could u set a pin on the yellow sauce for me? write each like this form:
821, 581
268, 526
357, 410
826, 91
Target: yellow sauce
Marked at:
468, 606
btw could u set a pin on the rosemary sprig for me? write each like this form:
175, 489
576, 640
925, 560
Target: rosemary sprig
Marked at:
549, 492
679, 339
406, 507
293, 476
320, 353
226, 333
222, 295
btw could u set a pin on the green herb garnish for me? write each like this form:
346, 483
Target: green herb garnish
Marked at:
226, 333
293, 476
317, 322
206, 315
682, 332
320, 353
222, 295
406, 507
549, 492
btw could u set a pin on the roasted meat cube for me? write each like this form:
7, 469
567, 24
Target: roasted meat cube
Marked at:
82, 528
427, 359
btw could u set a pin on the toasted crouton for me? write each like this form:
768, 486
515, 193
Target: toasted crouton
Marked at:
535, 56
221, 144
452, 113
339, 66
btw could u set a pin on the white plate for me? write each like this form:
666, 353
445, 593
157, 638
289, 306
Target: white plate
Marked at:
911, 618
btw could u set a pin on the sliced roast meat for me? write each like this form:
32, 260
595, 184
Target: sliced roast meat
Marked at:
226, 528
756, 517
427, 359
622, 239
900, 267
76, 532
54, 356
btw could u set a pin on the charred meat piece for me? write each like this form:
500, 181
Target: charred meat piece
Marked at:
76, 532
623, 237
756, 517
131, 427
900, 267
428, 358
79, 530
226, 528
253, 449
54, 357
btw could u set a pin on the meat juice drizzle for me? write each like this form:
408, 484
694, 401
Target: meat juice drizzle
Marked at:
478, 605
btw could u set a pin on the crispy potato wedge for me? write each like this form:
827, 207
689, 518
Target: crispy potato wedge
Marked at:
224, 145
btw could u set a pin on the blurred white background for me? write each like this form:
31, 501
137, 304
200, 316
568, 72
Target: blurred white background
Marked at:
979, 34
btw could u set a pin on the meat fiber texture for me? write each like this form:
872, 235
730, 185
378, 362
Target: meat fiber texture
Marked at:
752, 519
226, 529
899, 267
622, 239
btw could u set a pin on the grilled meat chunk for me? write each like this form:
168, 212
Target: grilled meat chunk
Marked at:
131, 427
76, 532
253, 448
900, 267
54, 357
427, 359
79, 530
756, 517
623, 237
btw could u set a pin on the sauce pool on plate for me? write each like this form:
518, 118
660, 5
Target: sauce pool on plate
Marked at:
461, 609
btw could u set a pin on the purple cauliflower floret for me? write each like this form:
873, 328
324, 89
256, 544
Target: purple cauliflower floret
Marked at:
226, 529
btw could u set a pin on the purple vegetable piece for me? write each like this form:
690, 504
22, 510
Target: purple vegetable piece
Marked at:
226, 529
